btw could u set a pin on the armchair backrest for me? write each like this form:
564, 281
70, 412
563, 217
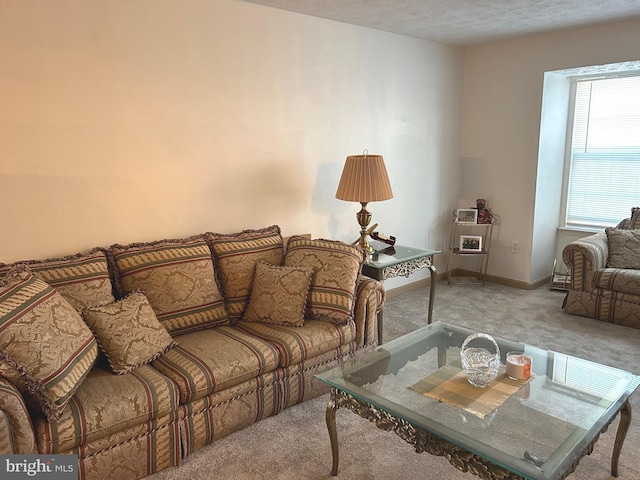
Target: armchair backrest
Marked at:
631, 223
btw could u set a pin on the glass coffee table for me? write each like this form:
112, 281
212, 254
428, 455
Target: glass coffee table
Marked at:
537, 429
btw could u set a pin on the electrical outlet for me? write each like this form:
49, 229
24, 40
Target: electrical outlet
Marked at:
515, 246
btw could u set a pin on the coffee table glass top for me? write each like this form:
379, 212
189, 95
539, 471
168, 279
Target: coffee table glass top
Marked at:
551, 419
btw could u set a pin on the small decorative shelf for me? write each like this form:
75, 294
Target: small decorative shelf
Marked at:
469, 240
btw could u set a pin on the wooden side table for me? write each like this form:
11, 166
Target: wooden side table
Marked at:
396, 261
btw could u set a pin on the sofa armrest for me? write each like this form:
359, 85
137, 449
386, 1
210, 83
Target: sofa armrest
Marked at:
16, 429
370, 297
585, 257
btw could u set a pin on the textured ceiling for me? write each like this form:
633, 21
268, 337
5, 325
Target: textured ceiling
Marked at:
464, 22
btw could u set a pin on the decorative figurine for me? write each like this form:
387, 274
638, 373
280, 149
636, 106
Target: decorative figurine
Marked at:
484, 215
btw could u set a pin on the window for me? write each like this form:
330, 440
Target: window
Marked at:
604, 173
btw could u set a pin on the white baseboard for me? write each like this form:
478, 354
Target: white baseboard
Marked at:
425, 282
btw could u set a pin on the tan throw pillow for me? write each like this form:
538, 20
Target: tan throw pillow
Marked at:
236, 256
82, 279
624, 248
43, 338
178, 279
128, 332
336, 267
279, 295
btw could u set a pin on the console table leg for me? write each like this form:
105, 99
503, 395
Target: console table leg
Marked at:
623, 427
330, 416
432, 291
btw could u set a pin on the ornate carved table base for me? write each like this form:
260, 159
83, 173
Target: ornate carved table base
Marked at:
424, 441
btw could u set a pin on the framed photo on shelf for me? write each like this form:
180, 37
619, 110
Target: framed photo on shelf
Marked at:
471, 243
467, 215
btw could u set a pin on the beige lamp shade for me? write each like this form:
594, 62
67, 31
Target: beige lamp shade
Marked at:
364, 179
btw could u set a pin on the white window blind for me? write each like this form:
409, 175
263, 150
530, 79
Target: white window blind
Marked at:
604, 176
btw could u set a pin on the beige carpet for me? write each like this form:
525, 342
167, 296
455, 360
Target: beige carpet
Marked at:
295, 444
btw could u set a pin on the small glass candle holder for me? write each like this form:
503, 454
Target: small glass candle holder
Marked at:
518, 365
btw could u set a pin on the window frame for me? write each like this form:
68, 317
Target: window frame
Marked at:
573, 85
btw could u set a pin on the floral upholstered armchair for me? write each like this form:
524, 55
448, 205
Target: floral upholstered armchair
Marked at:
605, 274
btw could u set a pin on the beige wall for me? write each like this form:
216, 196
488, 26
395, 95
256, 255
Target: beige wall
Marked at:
501, 128
135, 121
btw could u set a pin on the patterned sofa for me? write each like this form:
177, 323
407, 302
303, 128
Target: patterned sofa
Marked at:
605, 274
134, 356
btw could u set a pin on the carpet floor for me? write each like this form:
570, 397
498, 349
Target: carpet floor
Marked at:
295, 443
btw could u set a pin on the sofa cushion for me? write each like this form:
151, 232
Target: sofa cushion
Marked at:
128, 332
624, 248
106, 404
236, 256
297, 344
623, 280
211, 360
82, 279
336, 267
279, 295
43, 338
178, 279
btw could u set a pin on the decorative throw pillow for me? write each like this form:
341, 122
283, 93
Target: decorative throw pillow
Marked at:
336, 267
82, 279
279, 295
624, 248
177, 278
634, 220
128, 332
44, 339
236, 256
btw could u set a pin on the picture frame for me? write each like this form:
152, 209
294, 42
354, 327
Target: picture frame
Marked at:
467, 215
470, 243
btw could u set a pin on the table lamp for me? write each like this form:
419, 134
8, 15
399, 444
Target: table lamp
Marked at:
364, 179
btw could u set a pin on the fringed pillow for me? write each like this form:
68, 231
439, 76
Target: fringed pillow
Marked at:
178, 279
336, 267
279, 295
82, 279
236, 256
44, 340
128, 332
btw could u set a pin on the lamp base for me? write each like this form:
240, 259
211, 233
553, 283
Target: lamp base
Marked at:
364, 217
